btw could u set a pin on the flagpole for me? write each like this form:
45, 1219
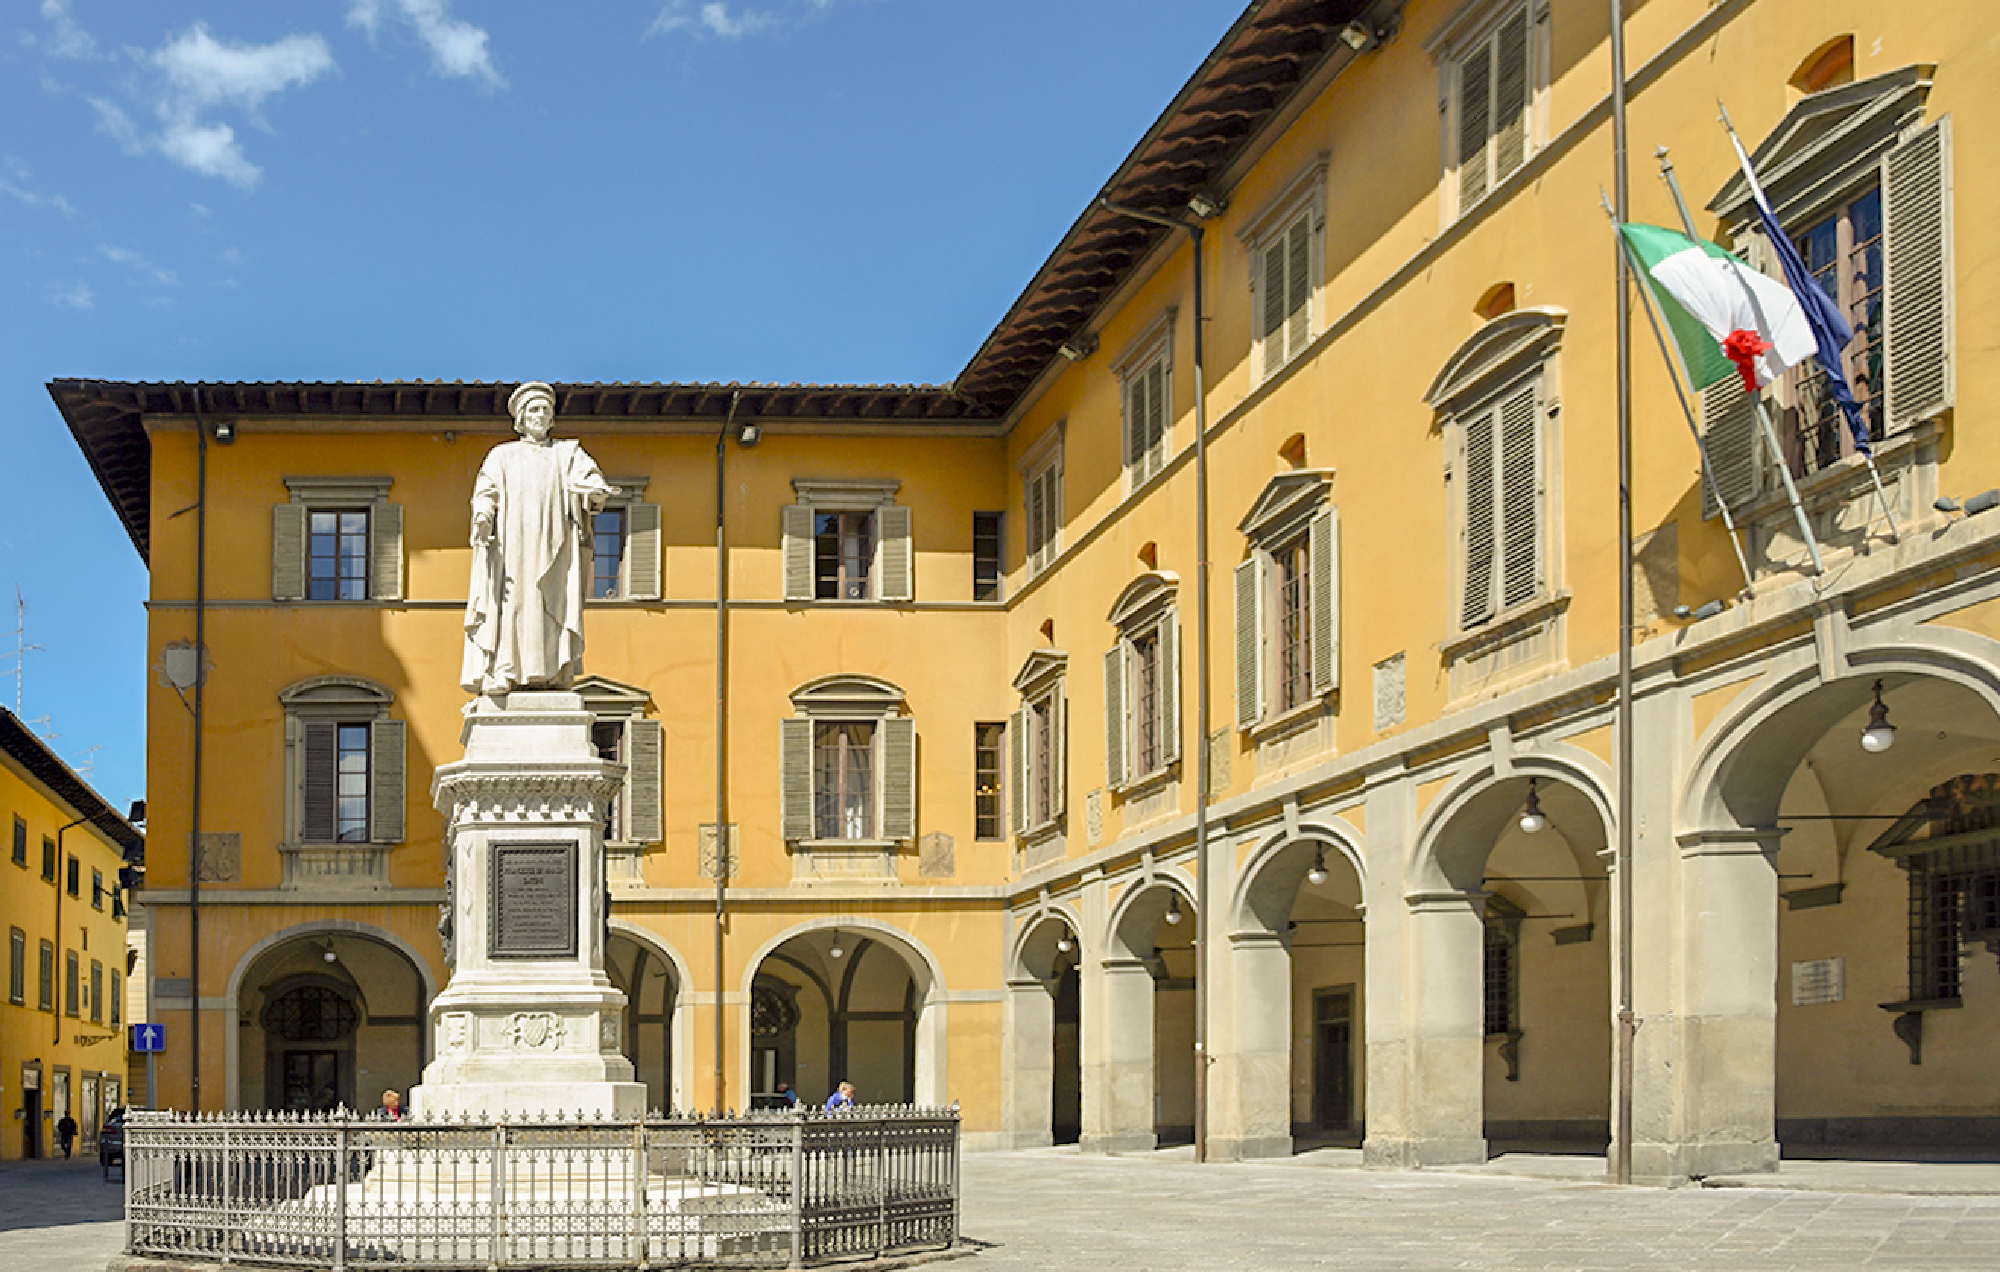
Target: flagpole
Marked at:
1770, 430
1622, 853
1757, 193
1676, 371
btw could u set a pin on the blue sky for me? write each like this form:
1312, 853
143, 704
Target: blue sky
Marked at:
812, 190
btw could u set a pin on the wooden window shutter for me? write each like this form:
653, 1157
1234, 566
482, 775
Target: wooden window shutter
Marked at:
1475, 124
1032, 514
319, 755
642, 551
1156, 415
1273, 283
1135, 423
642, 782
899, 778
1114, 714
1520, 496
1917, 276
1324, 549
1059, 758
1170, 686
288, 552
386, 795
1017, 770
1729, 442
1249, 642
795, 741
1510, 96
893, 524
797, 525
385, 552
1298, 285
1481, 522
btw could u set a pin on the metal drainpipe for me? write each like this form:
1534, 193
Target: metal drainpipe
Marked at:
721, 735
1202, 721
1622, 858
194, 801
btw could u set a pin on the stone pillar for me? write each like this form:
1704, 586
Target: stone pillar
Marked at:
1720, 1046
529, 1023
1027, 1086
1118, 1077
1250, 1084
1444, 1105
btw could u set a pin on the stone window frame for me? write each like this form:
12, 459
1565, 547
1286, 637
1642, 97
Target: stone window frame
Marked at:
638, 822
989, 563
1038, 766
314, 708
1148, 610
892, 573
1145, 374
1831, 148
640, 556
1293, 506
291, 540
998, 750
1287, 243
850, 699
1041, 469
1475, 31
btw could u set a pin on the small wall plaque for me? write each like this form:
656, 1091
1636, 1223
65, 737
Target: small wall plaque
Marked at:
1820, 980
533, 912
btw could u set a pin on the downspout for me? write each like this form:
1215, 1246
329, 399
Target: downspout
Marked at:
194, 801
1202, 707
722, 738
1621, 1166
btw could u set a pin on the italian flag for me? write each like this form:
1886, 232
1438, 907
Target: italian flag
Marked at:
1724, 315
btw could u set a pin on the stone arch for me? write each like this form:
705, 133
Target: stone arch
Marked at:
1276, 865
427, 985
1041, 1074
1034, 935
931, 1085
680, 1028
1482, 796
1141, 905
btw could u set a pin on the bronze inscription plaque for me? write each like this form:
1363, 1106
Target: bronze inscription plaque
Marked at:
533, 913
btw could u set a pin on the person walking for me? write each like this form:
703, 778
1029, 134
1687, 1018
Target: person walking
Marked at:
66, 1133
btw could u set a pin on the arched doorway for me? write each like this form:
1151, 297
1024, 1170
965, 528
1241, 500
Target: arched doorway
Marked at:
1139, 1054
651, 985
327, 1018
1044, 1034
859, 1004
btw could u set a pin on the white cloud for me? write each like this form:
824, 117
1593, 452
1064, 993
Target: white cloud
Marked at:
458, 48
77, 297
204, 73
117, 125
138, 264
19, 184
715, 18
66, 38
209, 149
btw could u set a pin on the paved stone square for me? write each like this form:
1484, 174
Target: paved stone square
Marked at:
1056, 1209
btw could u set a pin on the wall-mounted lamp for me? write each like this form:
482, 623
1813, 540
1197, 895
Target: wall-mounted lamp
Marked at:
1079, 346
328, 953
1697, 613
747, 433
1972, 507
1174, 909
836, 951
1357, 36
1065, 943
1533, 820
1206, 206
1880, 735
1317, 875
225, 431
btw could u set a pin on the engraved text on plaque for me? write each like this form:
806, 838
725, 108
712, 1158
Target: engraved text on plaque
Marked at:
534, 901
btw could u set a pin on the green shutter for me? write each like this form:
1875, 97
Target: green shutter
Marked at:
288, 552
1249, 642
893, 523
1481, 521
642, 783
795, 739
899, 778
642, 551
1729, 443
1323, 546
797, 525
1114, 715
386, 794
1916, 276
385, 552
320, 756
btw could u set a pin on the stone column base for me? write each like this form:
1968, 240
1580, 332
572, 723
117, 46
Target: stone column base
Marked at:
1129, 1142
1416, 1154
1248, 1148
1671, 1164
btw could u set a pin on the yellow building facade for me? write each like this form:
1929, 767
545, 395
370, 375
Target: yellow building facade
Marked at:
62, 1035
939, 658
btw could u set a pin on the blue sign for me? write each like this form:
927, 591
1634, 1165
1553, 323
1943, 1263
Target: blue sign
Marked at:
149, 1038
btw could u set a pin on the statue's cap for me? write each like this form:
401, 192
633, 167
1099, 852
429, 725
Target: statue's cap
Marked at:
526, 391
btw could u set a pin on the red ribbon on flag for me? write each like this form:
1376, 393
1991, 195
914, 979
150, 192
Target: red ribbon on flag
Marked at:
1743, 347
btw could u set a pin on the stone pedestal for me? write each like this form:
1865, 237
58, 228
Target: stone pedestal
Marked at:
530, 1023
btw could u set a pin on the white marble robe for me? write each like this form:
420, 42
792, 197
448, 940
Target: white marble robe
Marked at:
524, 618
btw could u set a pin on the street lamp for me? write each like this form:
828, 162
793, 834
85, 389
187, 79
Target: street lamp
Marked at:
1533, 820
1880, 735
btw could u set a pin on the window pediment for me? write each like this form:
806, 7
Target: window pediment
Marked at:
1285, 502
832, 695
332, 490
1825, 137
609, 697
1143, 596
337, 692
1496, 353
1041, 668
845, 494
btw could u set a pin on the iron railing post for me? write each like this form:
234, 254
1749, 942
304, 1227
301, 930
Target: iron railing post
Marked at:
340, 1151
640, 1236
496, 1193
881, 1186
798, 1189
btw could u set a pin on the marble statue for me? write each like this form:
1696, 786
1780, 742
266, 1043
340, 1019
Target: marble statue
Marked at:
532, 510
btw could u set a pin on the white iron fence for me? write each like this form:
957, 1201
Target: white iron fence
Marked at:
786, 1188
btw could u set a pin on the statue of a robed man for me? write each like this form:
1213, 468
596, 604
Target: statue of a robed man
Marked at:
532, 511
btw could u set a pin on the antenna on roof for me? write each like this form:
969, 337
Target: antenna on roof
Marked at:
21, 647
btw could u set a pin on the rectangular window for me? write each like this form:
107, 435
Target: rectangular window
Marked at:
989, 743
96, 992
1844, 252
96, 889
607, 737
1042, 498
1146, 390
843, 555
1291, 574
986, 556
1492, 97
48, 859
843, 780
17, 966
72, 986
46, 980
1502, 510
608, 556
351, 784
73, 878
1146, 701
337, 555
1285, 281
117, 1001
21, 842
1042, 732
1499, 980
